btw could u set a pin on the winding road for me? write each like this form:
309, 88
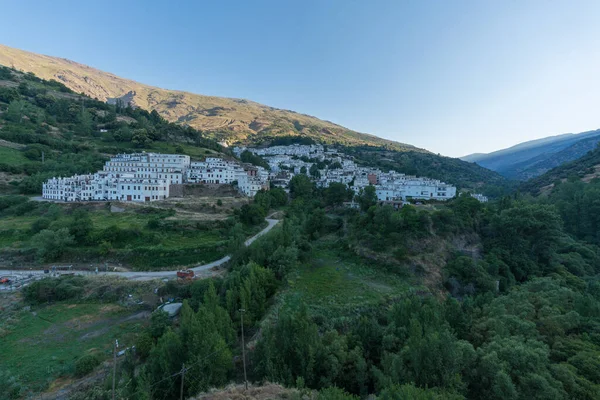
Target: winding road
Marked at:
170, 274
147, 275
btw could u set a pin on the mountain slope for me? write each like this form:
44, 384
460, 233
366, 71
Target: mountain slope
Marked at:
533, 158
232, 120
585, 168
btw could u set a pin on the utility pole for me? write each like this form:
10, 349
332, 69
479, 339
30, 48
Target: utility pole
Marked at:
114, 367
182, 376
242, 311
43, 157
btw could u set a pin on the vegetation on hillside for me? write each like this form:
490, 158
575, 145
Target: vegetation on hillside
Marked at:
140, 237
46, 130
585, 167
517, 316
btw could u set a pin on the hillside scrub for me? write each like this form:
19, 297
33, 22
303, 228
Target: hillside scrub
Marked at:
144, 238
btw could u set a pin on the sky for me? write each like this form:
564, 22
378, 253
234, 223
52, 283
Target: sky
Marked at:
454, 77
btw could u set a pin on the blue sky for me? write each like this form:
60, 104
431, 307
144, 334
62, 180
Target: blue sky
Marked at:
455, 77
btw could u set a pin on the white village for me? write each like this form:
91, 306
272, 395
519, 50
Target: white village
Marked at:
147, 177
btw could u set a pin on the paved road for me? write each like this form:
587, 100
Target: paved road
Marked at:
164, 274
199, 268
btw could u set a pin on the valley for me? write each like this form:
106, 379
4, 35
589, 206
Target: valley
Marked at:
338, 282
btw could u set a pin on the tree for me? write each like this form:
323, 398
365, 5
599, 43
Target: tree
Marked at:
289, 349
166, 358
84, 123
50, 245
251, 214
337, 193
140, 138
16, 110
526, 238
301, 186
367, 197
314, 171
206, 334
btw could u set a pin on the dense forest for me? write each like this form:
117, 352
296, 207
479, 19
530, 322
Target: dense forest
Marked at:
517, 319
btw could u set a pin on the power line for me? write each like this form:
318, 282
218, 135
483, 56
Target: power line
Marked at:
187, 368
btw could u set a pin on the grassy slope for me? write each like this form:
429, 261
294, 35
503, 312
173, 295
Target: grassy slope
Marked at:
44, 343
336, 285
226, 118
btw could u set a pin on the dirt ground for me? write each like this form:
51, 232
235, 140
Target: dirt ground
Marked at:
200, 203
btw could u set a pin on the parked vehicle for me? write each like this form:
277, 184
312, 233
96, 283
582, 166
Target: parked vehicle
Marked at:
185, 274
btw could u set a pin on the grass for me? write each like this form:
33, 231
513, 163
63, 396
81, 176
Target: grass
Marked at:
336, 284
43, 344
13, 157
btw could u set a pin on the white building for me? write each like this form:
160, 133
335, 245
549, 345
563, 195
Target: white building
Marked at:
144, 177
214, 170
105, 186
171, 167
390, 186
480, 197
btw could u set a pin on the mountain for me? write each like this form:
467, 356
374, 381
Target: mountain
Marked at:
224, 119
104, 86
533, 158
584, 168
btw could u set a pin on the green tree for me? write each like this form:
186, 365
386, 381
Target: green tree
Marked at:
314, 171
166, 359
16, 110
140, 138
85, 123
301, 186
337, 193
50, 245
367, 197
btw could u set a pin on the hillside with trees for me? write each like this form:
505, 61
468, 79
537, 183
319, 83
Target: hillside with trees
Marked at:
47, 130
457, 301
583, 169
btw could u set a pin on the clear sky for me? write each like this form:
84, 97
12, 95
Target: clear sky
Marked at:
454, 77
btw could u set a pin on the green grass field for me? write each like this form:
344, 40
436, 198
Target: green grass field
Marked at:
40, 345
334, 284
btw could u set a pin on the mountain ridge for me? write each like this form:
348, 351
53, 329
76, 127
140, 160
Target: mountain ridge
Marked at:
232, 120
533, 158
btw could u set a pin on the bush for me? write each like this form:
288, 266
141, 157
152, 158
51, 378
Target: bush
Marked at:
51, 289
86, 364
144, 345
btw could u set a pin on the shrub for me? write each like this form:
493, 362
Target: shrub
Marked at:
143, 345
86, 364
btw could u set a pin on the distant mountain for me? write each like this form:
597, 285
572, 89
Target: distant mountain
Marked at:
224, 119
533, 158
584, 168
